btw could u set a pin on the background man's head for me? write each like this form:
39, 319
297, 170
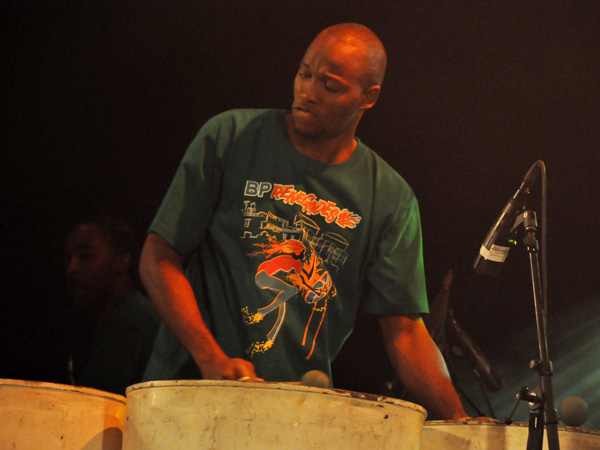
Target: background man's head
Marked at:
99, 262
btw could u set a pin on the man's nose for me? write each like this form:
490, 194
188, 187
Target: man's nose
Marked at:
308, 90
72, 265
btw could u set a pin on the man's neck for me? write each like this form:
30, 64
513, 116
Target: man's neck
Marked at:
333, 150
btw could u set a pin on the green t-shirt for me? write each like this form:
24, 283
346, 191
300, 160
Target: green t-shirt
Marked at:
121, 345
285, 250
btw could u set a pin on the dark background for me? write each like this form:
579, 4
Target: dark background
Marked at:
100, 100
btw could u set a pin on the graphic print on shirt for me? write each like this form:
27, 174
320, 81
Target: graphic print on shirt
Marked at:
295, 260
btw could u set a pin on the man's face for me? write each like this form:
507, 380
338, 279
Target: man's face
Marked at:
91, 265
329, 90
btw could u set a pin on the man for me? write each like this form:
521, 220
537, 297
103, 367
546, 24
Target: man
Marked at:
288, 212
114, 324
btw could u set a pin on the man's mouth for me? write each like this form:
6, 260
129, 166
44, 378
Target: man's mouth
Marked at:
303, 109
76, 285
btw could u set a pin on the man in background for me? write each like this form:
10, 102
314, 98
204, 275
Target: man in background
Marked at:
114, 324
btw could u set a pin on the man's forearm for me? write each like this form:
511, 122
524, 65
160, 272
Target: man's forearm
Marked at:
420, 366
161, 272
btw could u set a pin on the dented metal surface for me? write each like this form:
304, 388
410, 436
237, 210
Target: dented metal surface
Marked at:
185, 414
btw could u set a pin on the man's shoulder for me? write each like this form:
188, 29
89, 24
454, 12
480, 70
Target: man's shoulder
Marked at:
134, 307
244, 117
226, 127
387, 177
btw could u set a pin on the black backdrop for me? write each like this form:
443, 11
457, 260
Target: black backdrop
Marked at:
100, 99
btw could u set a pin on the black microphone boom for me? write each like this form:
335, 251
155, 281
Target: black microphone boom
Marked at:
483, 369
495, 247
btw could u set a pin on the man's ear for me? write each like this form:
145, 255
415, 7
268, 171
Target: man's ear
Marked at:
371, 96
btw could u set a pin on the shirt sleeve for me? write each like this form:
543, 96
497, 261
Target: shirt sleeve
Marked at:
187, 207
396, 275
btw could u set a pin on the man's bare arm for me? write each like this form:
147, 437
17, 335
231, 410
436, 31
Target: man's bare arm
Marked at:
420, 365
162, 273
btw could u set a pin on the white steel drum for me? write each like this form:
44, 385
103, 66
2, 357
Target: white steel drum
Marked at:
38, 416
476, 435
224, 415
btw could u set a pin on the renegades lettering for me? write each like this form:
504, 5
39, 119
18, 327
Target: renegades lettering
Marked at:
313, 206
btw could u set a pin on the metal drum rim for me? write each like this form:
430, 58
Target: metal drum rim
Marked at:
469, 422
56, 387
277, 386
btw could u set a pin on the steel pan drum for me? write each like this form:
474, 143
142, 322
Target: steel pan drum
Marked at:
475, 435
37, 416
222, 415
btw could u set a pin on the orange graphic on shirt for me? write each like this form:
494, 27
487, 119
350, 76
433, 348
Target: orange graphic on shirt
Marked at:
290, 270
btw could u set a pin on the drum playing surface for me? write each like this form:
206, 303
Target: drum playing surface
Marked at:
474, 435
38, 415
186, 414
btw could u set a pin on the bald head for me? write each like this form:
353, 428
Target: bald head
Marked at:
338, 80
367, 45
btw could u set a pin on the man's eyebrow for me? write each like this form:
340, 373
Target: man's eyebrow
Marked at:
328, 74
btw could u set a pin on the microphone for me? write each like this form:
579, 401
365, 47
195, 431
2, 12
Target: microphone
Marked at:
494, 249
483, 368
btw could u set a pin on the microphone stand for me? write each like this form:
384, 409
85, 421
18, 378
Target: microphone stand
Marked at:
542, 412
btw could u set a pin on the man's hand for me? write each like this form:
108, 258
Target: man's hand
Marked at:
480, 419
229, 369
